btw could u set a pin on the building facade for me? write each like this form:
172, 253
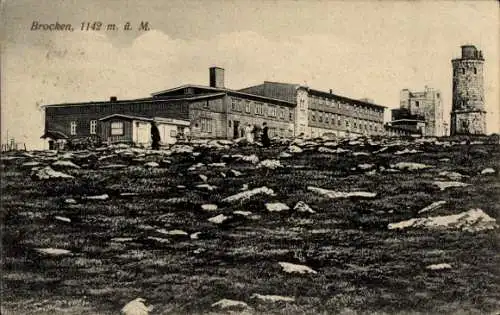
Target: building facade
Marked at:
468, 114
319, 113
217, 112
426, 105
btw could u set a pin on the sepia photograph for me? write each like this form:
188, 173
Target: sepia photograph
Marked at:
249, 157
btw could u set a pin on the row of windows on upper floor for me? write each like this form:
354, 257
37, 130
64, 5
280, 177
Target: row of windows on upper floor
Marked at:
356, 123
262, 109
317, 100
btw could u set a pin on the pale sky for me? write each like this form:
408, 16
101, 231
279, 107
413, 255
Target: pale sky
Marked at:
358, 49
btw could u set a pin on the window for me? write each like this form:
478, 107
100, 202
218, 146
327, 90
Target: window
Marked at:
475, 70
117, 128
73, 128
93, 127
247, 107
173, 133
233, 104
291, 115
327, 118
229, 124
313, 117
417, 103
320, 118
463, 70
205, 104
271, 111
282, 113
206, 125
259, 109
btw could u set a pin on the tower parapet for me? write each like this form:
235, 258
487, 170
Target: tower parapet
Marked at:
468, 115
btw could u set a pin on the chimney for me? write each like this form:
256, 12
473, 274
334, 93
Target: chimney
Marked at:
331, 91
113, 99
217, 77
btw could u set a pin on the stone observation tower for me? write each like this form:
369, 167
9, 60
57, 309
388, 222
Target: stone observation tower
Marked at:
468, 115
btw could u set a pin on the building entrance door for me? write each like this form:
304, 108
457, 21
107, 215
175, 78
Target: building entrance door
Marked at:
236, 125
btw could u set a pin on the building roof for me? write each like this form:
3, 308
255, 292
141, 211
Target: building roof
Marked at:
173, 121
221, 90
54, 134
142, 100
129, 117
288, 86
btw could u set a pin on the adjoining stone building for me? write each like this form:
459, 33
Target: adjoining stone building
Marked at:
215, 111
420, 112
318, 112
468, 114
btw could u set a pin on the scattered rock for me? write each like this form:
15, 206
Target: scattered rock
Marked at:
158, 239
451, 175
203, 178
249, 193
433, 206
127, 194
113, 166
151, 164
236, 173
209, 207
410, 166
218, 219
122, 239
444, 185
271, 164
406, 151
30, 164
361, 154
207, 186
301, 206
293, 268
195, 236
284, 155
226, 303
339, 194
243, 213
295, 149
98, 197
221, 164
250, 158
473, 220
70, 200
365, 166
48, 173
272, 298
439, 267
53, 251
64, 219
277, 207
135, 307
176, 233
487, 171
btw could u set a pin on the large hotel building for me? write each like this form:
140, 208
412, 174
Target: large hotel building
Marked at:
215, 111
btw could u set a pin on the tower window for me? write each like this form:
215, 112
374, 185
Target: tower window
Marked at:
463, 70
475, 70
417, 104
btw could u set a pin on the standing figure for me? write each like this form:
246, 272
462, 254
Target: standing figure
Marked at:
155, 136
265, 136
249, 134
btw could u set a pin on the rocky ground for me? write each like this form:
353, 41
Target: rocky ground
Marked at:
381, 226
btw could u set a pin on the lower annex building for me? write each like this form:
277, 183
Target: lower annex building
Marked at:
214, 111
